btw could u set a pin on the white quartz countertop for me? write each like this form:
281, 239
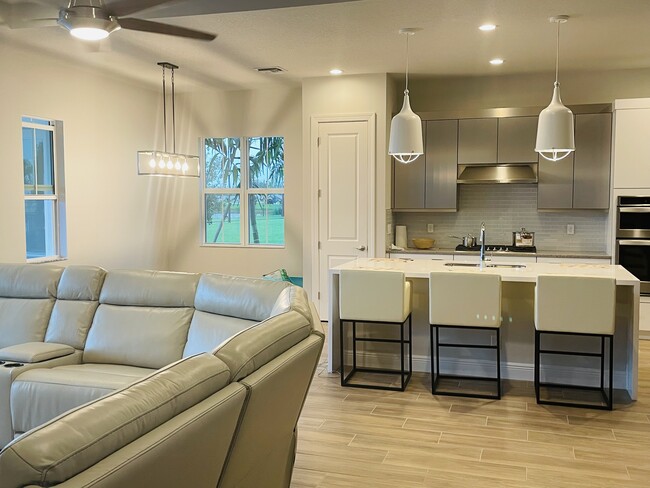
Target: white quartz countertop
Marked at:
421, 269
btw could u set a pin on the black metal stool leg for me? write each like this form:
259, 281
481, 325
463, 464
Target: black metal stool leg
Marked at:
537, 364
354, 345
499, 363
342, 354
610, 404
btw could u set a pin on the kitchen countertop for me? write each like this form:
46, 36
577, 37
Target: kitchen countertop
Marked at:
420, 268
539, 253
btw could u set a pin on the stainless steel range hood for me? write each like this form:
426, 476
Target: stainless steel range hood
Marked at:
469, 174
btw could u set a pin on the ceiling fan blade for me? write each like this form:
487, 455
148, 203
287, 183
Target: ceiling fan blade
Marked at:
128, 7
158, 28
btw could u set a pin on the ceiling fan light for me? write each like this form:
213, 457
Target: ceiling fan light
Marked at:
406, 142
87, 23
89, 33
555, 129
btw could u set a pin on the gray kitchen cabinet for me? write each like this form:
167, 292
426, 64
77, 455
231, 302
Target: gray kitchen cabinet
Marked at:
591, 172
408, 182
516, 139
581, 180
555, 185
441, 164
477, 141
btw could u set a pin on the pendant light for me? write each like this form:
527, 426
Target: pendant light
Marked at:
555, 134
406, 143
163, 163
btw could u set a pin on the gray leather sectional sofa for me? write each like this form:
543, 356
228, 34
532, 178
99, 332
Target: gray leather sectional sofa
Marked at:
150, 379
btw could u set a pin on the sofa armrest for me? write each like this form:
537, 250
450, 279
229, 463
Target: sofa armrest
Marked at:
35, 352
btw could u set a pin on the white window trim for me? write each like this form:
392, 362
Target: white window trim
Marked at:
243, 191
60, 234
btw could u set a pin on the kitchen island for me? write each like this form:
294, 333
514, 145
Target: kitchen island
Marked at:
518, 299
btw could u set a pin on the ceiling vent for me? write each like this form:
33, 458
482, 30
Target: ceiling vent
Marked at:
271, 69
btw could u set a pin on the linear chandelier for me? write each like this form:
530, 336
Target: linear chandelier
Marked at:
164, 163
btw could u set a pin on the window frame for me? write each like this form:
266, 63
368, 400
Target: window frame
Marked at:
59, 227
243, 191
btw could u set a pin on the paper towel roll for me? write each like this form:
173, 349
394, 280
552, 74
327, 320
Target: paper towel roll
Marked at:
400, 236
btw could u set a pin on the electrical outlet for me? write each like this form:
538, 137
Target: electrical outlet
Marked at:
389, 229
570, 229
429, 227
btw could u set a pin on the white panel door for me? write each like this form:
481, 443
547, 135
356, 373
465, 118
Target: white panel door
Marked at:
343, 163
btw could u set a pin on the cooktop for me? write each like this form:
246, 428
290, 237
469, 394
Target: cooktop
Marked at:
497, 248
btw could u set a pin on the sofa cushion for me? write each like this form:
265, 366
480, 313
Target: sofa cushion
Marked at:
252, 348
208, 330
23, 320
149, 289
137, 336
81, 283
70, 321
39, 395
244, 298
80, 438
29, 280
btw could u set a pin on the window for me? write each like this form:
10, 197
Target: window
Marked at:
43, 188
243, 203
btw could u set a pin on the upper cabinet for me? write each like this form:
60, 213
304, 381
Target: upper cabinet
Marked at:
516, 140
429, 182
632, 144
477, 141
441, 164
582, 179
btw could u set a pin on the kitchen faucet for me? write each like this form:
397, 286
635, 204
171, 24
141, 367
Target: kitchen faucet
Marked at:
482, 239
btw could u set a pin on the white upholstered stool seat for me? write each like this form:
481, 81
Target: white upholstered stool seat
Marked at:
576, 306
377, 297
464, 300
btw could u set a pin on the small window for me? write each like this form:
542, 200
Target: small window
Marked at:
243, 203
43, 189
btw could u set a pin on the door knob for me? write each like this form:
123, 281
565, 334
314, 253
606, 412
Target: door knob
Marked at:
361, 248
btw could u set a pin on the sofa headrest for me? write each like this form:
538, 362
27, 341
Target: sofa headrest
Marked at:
235, 296
80, 438
252, 348
81, 283
29, 280
292, 298
149, 289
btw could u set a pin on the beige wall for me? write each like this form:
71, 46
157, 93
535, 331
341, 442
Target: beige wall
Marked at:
338, 96
274, 111
450, 93
113, 215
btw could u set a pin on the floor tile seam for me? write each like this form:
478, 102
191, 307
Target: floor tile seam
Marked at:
566, 469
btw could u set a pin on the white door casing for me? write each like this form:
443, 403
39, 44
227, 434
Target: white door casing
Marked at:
344, 171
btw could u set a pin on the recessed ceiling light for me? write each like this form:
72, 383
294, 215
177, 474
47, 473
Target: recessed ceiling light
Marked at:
336, 71
496, 61
487, 27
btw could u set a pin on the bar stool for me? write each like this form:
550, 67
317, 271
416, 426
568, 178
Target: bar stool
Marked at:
381, 298
578, 306
460, 300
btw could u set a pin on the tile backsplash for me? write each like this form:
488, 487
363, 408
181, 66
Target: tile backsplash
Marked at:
504, 209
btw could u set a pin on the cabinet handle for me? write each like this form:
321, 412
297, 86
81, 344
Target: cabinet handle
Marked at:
361, 248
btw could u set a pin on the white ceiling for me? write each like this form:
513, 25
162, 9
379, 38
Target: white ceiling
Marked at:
361, 37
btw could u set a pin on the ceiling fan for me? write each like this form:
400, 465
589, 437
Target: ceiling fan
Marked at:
92, 20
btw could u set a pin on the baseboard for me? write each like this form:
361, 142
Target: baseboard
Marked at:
476, 367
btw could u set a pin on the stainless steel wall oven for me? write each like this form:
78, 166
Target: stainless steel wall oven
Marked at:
633, 238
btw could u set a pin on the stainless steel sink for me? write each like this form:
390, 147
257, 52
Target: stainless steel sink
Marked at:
491, 265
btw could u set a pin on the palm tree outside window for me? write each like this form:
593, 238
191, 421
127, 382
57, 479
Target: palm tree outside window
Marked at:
243, 204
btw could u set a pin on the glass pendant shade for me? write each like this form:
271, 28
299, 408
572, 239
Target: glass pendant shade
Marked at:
555, 132
406, 142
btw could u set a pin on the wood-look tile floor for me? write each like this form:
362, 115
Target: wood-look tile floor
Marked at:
351, 437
